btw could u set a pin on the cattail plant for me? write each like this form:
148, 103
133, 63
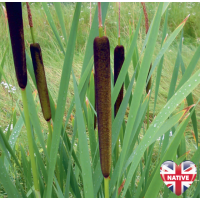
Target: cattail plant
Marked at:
15, 21
40, 77
101, 48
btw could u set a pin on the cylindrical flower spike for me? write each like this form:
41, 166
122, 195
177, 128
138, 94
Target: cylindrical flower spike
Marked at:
103, 100
14, 13
118, 62
36, 55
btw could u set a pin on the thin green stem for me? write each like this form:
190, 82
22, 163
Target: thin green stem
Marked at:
106, 186
118, 41
30, 144
32, 34
101, 31
49, 137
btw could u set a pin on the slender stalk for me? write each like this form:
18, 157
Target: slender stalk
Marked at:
30, 144
119, 27
30, 21
106, 186
32, 34
100, 20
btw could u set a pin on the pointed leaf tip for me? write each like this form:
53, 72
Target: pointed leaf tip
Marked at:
165, 37
121, 187
184, 21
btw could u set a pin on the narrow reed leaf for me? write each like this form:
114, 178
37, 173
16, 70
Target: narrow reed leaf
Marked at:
38, 65
61, 19
132, 141
34, 118
7, 145
25, 167
159, 70
82, 84
15, 21
103, 100
93, 142
64, 83
135, 61
175, 71
190, 68
84, 152
53, 26
196, 193
190, 102
8, 185
67, 185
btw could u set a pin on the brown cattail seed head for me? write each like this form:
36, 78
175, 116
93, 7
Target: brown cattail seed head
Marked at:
14, 13
36, 55
103, 100
118, 62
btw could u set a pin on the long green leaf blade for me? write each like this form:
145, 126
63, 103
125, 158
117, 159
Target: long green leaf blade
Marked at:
83, 145
62, 97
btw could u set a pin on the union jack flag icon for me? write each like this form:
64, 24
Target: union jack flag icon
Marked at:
178, 178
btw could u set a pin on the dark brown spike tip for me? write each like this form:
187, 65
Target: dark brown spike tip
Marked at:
36, 55
14, 13
118, 62
103, 100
